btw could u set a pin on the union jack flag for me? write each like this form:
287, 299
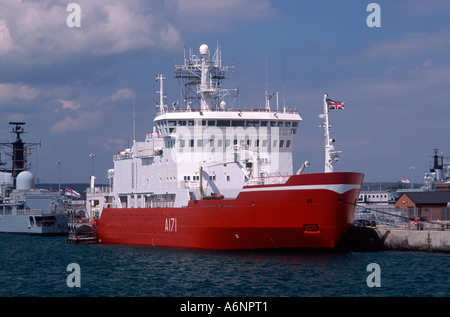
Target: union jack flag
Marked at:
335, 104
72, 193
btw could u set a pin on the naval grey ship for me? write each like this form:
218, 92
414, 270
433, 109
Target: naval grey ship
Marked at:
438, 178
25, 209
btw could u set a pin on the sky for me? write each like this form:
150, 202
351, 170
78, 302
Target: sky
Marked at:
77, 87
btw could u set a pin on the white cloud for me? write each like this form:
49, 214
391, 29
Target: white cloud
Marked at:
114, 143
6, 43
10, 92
30, 29
126, 27
81, 122
67, 104
123, 94
407, 47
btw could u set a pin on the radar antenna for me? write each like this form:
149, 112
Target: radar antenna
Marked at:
20, 150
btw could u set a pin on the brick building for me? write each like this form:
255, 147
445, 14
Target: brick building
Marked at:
427, 205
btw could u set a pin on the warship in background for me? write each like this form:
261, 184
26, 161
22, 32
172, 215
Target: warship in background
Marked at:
379, 206
438, 178
23, 208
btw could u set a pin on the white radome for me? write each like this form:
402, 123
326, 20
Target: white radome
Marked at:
204, 49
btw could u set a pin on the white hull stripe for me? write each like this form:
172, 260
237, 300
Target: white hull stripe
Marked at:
338, 188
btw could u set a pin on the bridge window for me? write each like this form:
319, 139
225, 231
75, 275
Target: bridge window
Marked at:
223, 123
252, 123
200, 122
237, 123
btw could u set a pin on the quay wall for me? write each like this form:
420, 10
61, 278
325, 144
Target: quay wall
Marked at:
418, 240
388, 238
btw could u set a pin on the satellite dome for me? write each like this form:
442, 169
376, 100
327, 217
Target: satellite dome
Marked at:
204, 49
25, 181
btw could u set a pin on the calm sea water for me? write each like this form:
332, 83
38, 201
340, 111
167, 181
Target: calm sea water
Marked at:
37, 266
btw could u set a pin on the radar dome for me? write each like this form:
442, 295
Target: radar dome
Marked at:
204, 49
25, 181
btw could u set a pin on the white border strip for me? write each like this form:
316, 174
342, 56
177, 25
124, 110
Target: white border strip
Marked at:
338, 188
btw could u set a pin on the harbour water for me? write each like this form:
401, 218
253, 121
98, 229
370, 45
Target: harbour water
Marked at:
38, 267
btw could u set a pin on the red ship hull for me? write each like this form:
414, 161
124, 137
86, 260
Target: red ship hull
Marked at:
308, 211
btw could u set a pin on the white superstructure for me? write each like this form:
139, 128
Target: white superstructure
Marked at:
200, 148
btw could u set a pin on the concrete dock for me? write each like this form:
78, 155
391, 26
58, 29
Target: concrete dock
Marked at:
388, 238
418, 240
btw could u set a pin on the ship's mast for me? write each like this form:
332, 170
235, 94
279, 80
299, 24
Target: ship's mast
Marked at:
201, 77
331, 155
20, 150
436, 160
162, 105
267, 105
206, 88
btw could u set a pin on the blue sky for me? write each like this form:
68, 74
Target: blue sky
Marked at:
74, 87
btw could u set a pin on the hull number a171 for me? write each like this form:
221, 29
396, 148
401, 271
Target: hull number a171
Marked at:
171, 225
